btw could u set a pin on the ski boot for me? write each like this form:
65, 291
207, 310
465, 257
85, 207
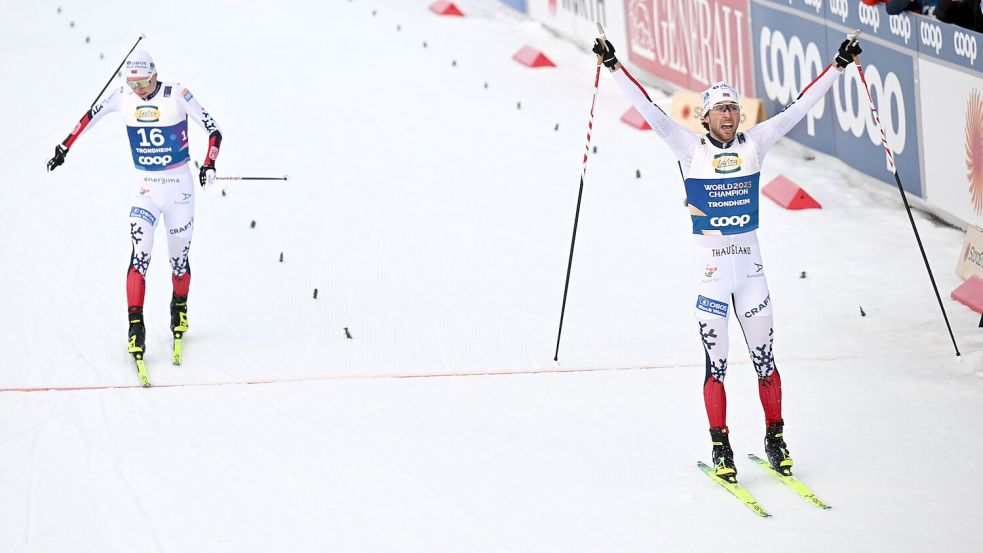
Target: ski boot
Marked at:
137, 345
776, 449
179, 315
723, 455
179, 325
137, 333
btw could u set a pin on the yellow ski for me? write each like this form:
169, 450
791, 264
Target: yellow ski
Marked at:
178, 349
792, 482
142, 369
736, 489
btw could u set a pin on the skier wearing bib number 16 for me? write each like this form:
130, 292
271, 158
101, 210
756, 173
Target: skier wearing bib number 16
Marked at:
156, 117
721, 172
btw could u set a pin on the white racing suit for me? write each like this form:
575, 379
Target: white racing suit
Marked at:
163, 185
721, 182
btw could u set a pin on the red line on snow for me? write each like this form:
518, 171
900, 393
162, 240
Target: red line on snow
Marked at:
380, 376
317, 378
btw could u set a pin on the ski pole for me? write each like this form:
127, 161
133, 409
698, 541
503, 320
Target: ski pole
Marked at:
118, 67
904, 198
580, 194
284, 177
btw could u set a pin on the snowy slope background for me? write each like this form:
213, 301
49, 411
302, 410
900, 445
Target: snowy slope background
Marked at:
433, 215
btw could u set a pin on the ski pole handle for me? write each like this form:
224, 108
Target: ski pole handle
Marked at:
853, 38
601, 39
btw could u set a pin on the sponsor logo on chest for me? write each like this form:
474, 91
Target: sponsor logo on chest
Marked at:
732, 221
726, 163
147, 114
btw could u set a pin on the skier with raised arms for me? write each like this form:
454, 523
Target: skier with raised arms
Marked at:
721, 170
156, 117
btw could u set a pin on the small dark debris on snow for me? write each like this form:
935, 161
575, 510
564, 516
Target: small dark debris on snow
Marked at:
399, 27
556, 127
58, 10
315, 293
803, 275
252, 224
87, 39
638, 174
348, 334
281, 257
223, 192
862, 313
453, 63
424, 44
486, 85
595, 149
71, 24
518, 105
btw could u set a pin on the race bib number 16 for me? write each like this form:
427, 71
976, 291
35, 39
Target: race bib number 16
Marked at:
159, 148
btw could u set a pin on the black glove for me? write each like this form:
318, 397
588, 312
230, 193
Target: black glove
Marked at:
847, 51
206, 174
58, 159
606, 51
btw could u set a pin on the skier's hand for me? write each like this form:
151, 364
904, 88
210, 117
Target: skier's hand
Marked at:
58, 159
605, 50
206, 175
847, 52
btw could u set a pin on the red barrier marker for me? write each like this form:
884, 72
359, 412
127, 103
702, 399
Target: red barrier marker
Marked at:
789, 195
531, 57
443, 7
970, 293
635, 119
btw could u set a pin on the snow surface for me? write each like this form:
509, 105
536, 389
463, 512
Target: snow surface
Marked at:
433, 215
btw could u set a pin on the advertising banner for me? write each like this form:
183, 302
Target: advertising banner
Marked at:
519, 5
949, 43
793, 46
575, 19
873, 21
813, 8
971, 259
790, 52
687, 108
953, 130
692, 43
